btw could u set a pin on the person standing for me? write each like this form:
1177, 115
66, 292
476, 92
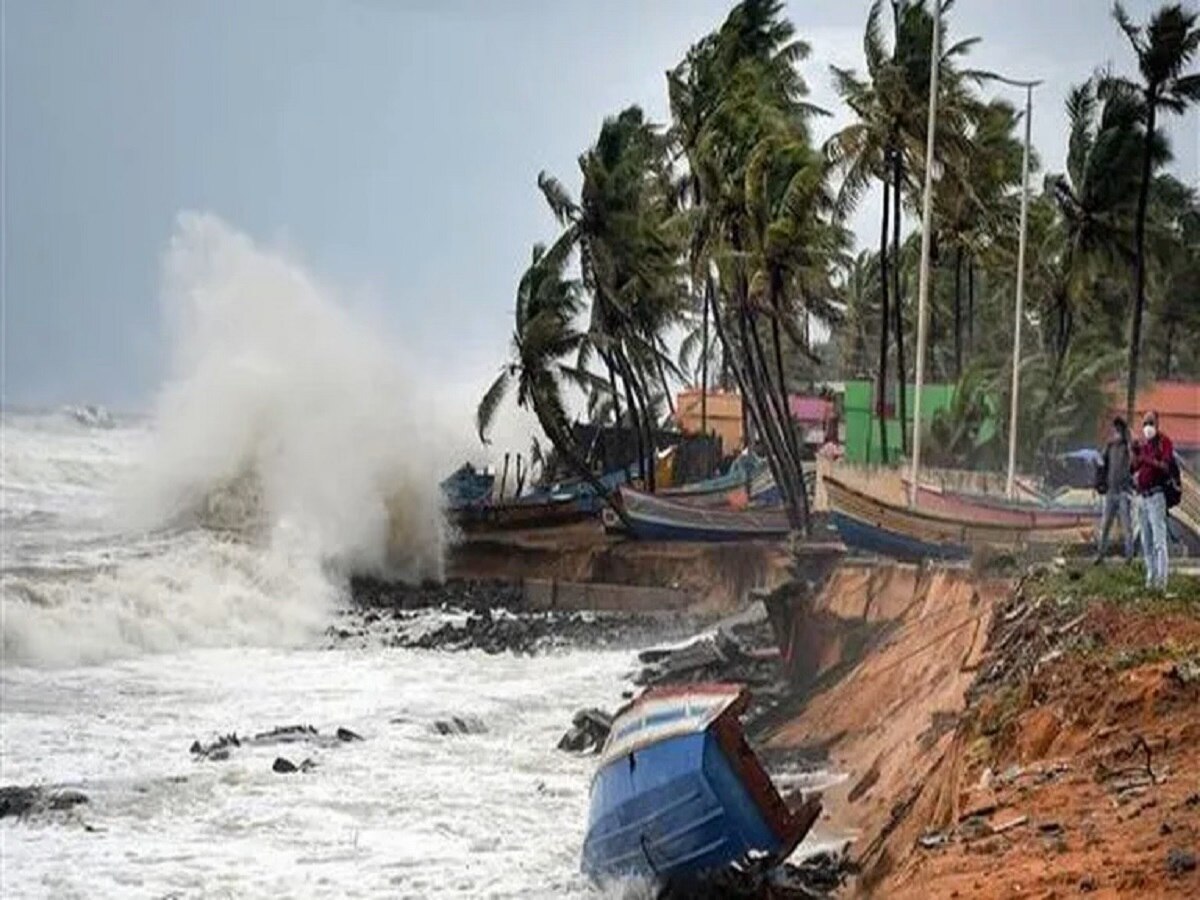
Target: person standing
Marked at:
1116, 483
1151, 465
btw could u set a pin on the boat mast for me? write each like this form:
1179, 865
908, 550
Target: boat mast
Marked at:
926, 229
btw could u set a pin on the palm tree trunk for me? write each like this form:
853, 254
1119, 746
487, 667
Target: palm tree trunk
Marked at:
971, 304
884, 327
642, 393
704, 364
616, 395
958, 354
662, 378
1139, 264
1168, 350
743, 382
898, 296
789, 423
772, 423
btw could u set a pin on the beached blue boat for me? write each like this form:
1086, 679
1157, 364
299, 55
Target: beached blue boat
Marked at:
679, 793
655, 518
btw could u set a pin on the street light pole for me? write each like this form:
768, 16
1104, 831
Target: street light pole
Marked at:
1010, 483
926, 229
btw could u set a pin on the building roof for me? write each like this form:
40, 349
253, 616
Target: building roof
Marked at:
1178, 407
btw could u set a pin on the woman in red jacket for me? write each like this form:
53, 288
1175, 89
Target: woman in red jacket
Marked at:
1151, 466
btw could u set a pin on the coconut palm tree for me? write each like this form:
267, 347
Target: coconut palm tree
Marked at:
886, 142
1165, 48
545, 340
630, 248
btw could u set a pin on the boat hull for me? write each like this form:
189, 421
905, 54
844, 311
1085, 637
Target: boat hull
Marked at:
679, 793
873, 526
653, 518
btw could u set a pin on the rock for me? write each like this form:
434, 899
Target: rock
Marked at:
345, 734
218, 754
283, 766
1180, 862
17, 801
286, 734
23, 801
218, 749
1087, 884
67, 799
460, 725
589, 730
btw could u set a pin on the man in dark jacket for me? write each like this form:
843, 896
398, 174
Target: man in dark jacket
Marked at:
1116, 483
1151, 467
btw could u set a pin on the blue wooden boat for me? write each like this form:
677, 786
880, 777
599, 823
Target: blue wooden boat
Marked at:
467, 486
655, 518
678, 792
741, 473
868, 524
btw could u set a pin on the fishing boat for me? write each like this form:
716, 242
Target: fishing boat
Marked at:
874, 526
679, 793
652, 517
714, 491
1002, 511
467, 486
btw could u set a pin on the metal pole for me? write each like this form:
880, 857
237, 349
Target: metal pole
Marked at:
926, 229
1010, 483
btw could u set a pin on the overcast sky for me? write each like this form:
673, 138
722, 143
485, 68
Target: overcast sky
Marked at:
392, 145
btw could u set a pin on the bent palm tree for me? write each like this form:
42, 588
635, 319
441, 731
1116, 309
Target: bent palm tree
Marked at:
544, 338
1165, 48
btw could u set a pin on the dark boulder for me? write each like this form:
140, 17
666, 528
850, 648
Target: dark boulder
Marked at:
283, 766
588, 732
346, 735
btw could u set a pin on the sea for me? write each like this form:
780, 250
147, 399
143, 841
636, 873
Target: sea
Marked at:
169, 577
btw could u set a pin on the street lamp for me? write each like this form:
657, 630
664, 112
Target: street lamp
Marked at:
935, 55
1010, 483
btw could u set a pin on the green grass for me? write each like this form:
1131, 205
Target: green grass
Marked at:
1123, 585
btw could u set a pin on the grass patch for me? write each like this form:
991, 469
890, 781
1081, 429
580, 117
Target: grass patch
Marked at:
1122, 584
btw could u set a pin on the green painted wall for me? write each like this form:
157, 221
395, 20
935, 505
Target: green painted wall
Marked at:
862, 426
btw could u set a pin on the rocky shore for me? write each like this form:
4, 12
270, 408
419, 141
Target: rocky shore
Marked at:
492, 616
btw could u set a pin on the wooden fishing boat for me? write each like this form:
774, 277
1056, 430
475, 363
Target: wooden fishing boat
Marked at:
678, 792
656, 518
1001, 510
873, 526
715, 491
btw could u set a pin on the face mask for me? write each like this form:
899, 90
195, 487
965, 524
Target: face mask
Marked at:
1149, 431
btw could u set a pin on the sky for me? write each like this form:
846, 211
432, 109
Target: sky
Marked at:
392, 145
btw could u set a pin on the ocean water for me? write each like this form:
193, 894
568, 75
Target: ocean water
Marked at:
113, 665
169, 578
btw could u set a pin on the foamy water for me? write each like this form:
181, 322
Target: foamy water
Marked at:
170, 578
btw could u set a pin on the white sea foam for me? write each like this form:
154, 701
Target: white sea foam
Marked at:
289, 448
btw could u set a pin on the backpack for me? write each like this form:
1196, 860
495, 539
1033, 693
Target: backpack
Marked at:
1173, 486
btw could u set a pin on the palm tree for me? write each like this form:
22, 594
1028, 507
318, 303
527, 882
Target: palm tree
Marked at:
1165, 48
1095, 200
738, 102
887, 143
544, 339
630, 248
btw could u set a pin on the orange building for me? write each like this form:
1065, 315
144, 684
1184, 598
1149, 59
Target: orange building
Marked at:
724, 410
1178, 406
